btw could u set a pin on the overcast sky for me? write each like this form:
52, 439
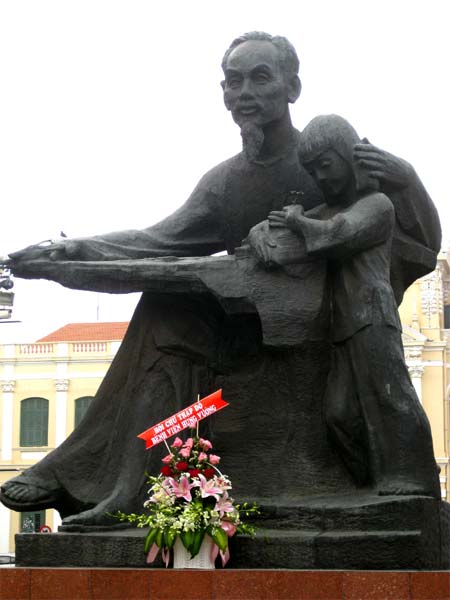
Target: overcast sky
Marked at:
111, 111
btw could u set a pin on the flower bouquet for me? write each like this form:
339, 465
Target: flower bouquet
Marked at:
189, 501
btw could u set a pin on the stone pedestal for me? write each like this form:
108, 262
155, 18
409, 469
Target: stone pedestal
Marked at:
345, 532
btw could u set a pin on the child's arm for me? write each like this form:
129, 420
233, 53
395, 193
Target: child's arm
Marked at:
365, 224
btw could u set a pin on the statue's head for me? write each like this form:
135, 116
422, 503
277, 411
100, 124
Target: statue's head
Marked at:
261, 78
326, 151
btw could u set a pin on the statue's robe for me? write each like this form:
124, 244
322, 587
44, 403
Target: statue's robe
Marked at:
272, 437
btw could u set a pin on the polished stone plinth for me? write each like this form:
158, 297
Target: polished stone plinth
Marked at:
229, 584
344, 532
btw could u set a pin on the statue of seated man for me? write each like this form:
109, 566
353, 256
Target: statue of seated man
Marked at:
372, 411
173, 349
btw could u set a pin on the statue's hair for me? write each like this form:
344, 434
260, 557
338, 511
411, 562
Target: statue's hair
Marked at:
325, 132
288, 58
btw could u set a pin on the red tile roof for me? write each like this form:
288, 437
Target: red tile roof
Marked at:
87, 332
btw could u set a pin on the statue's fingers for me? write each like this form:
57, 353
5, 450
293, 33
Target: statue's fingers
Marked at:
366, 147
17, 255
275, 225
373, 156
263, 252
379, 175
277, 218
371, 165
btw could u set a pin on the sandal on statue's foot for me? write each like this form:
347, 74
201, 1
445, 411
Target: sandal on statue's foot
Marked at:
25, 493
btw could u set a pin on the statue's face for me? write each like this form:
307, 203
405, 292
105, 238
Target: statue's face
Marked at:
332, 174
255, 89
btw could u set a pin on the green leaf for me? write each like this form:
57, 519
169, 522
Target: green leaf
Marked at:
187, 537
220, 538
171, 536
159, 538
150, 539
198, 539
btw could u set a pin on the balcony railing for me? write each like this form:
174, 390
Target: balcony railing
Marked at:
37, 348
46, 349
89, 347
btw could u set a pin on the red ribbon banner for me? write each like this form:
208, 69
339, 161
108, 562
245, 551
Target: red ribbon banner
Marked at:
186, 418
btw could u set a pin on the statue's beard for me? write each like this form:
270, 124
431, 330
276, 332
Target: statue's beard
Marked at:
252, 140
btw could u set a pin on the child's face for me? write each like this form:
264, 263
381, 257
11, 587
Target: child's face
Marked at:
332, 174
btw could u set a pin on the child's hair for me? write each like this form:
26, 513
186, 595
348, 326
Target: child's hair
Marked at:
327, 132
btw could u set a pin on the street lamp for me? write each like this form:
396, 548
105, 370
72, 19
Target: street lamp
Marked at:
6, 297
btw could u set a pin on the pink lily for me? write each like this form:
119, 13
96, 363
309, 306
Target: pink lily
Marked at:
208, 487
182, 488
229, 528
224, 483
224, 505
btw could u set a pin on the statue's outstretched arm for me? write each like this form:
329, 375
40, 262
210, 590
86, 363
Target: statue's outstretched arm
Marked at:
193, 230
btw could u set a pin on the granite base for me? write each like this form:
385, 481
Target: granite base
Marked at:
156, 584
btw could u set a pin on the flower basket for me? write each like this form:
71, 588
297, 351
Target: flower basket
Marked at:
189, 509
203, 560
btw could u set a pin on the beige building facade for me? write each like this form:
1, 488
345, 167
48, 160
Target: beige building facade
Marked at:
47, 386
425, 316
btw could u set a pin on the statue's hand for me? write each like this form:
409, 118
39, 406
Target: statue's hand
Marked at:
382, 166
47, 250
29, 258
277, 218
262, 242
288, 217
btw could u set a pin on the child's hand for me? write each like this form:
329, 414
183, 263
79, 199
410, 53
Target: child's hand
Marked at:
277, 218
287, 217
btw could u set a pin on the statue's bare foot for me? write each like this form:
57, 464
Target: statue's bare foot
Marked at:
100, 515
22, 494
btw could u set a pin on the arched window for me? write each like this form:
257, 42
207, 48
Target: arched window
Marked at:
34, 422
81, 406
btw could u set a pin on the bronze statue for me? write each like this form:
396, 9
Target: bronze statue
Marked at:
188, 337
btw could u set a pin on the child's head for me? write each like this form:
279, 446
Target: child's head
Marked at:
326, 151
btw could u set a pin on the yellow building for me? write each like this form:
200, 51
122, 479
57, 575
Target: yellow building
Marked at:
47, 386
425, 316
46, 389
